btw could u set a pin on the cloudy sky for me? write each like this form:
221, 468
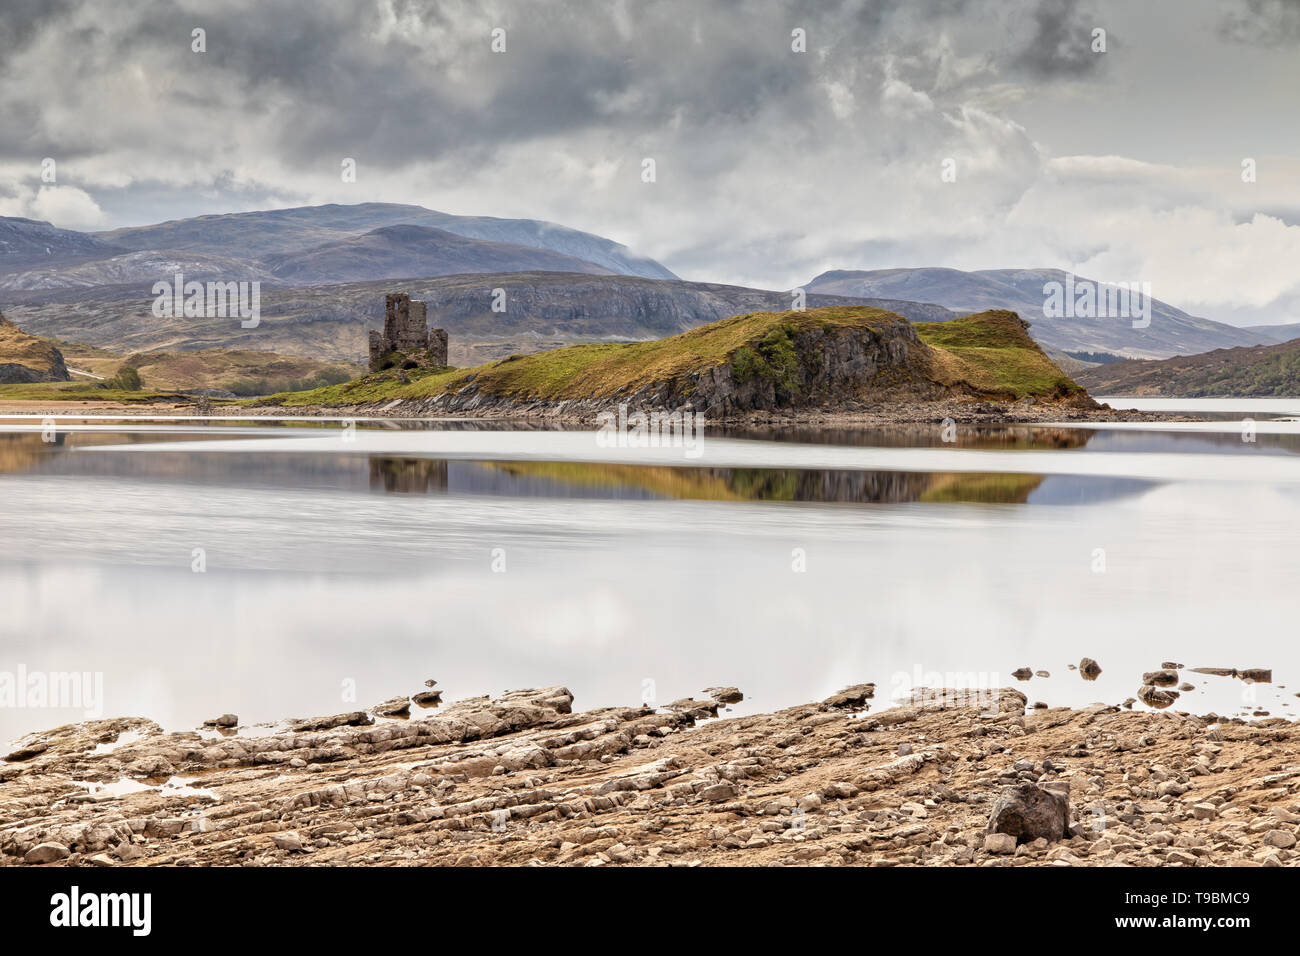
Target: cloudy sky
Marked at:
771, 165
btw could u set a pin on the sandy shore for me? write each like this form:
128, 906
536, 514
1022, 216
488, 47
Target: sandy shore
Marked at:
521, 780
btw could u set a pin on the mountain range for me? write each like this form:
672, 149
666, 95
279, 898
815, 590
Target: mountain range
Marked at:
324, 270
542, 310
279, 231
1171, 331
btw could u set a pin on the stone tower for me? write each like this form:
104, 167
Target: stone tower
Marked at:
406, 330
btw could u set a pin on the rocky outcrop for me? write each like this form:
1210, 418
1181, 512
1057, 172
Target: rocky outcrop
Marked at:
25, 358
945, 778
807, 367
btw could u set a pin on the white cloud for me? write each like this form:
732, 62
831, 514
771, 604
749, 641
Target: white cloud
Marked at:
67, 207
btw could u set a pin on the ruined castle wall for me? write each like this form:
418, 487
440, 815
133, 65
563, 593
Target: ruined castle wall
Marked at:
438, 346
406, 328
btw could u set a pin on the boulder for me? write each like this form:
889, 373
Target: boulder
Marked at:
289, 840
855, 696
1000, 843
1155, 697
1161, 678
46, 853
1029, 812
725, 695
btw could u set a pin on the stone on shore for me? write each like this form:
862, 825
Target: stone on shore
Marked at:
855, 696
1029, 812
46, 853
724, 695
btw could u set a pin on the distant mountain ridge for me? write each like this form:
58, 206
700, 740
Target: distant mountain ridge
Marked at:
395, 252
1270, 334
26, 242
281, 231
1171, 332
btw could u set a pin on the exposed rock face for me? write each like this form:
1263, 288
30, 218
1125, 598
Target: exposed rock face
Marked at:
25, 358
522, 779
406, 333
1029, 812
831, 362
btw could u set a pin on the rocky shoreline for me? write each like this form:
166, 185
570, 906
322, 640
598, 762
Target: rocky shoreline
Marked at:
584, 415
951, 779
851, 415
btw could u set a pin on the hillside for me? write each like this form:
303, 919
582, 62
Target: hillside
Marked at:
1274, 334
26, 358
138, 269
1266, 370
1171, 332
543, 311
25, 243
758, 361
396, 252
279, 231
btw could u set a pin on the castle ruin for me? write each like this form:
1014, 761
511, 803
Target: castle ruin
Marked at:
406, 333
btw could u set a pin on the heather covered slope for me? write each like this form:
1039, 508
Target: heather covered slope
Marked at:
1266, 370
758, 361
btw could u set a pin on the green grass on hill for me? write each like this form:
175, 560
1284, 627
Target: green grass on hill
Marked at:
993, 352
80, 392
990, 351
609, 369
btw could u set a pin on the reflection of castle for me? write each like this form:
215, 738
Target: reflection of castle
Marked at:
408, 475
406, 336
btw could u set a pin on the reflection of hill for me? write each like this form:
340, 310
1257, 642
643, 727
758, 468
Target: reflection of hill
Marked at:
685, 483
762, 484
20, 452
997, 437
985, 489
408, 475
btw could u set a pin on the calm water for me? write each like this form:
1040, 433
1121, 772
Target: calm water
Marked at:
340, 567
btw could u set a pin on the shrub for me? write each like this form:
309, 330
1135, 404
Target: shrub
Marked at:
127, 379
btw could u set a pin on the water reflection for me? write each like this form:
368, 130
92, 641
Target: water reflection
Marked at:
387, 474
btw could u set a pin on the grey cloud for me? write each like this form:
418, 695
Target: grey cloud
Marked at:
1059, 42
1266, 23
436, 88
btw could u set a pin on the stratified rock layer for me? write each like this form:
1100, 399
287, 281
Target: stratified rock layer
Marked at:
522, 780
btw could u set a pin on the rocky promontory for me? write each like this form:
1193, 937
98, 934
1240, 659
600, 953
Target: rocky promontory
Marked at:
836, 358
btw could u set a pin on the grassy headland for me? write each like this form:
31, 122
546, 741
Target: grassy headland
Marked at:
988, 354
